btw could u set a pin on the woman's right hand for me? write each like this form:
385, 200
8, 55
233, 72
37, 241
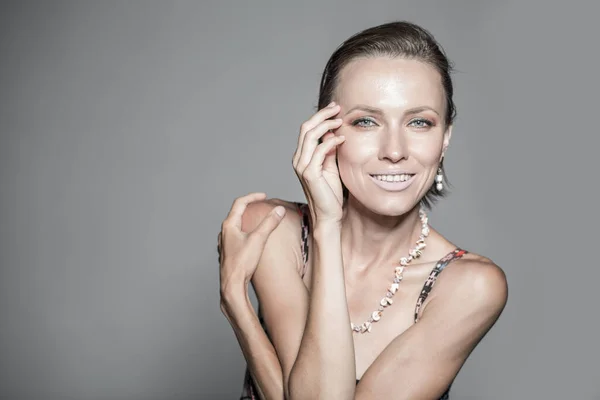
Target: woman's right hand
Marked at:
315, 165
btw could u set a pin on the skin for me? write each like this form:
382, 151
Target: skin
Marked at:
389, 115
391, 135
246, 248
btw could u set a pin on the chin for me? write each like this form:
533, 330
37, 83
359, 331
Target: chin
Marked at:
394, 208
391, 204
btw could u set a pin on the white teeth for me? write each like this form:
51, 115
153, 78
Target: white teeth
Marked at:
393, 178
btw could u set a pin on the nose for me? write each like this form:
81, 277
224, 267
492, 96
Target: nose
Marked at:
393, 145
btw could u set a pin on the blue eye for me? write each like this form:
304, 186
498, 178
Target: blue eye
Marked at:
364, 122
420, 123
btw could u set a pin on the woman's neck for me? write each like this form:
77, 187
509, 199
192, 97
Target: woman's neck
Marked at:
370, 239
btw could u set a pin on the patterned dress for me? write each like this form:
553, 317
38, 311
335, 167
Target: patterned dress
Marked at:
249, 391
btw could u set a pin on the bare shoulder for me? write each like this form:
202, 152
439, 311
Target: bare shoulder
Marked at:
283, 245
255, 212
480, 279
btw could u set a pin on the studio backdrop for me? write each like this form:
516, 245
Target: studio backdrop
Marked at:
128, 128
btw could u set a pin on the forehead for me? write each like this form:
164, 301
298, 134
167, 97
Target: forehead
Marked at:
390, 83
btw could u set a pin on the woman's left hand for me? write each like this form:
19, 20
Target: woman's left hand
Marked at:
240, 252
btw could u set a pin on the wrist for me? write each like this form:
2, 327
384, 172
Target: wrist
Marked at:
326, 230
233, 293
236, 309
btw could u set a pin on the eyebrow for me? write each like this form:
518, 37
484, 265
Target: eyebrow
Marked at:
378, 111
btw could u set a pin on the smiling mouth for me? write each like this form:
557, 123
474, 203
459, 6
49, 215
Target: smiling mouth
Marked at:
393, 178
393, 182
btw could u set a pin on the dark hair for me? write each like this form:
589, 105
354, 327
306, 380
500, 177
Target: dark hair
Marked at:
394, 39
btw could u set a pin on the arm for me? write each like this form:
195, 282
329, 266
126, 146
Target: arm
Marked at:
252, 234
260, 355
283, 302
281, 293
325, 367
425, 359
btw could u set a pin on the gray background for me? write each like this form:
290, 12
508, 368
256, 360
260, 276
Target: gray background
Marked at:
127, 129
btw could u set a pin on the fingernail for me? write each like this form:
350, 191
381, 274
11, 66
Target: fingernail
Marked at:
279, 210
331, 104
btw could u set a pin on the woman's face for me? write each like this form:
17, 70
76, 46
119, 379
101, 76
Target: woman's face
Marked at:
393, 113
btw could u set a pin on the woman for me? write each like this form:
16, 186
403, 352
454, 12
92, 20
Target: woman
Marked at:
345, 281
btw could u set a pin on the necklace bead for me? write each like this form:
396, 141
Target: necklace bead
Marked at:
399, 270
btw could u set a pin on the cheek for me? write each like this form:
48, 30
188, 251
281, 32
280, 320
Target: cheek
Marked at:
352, 156
427, 152
356, 150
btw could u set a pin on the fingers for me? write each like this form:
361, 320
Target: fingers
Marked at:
325, 113
311, 141
267, 226
320, 116
330, 162
234, 218
314, 169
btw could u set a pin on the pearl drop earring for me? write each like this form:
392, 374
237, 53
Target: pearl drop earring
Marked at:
439, 178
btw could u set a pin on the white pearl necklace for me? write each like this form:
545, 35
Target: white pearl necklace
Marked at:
393, 288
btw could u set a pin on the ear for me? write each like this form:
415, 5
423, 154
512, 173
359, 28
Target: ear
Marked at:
447, 136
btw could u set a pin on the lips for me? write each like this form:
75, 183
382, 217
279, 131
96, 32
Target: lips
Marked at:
393, 182
399, 177
395, 172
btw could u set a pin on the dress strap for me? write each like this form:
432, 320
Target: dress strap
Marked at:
437, 269
303, 211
